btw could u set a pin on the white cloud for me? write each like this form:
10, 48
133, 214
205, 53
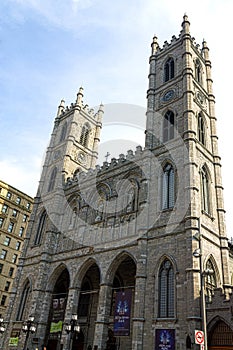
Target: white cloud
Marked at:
20, 175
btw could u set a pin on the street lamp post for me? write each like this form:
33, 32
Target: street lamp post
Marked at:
72, 328
28, 327
203, 273
2, 328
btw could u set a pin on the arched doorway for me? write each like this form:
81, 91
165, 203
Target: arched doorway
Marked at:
57, 311
220, 337
122, 298
87, 308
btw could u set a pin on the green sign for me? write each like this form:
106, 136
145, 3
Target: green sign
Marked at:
56, 327
14, 341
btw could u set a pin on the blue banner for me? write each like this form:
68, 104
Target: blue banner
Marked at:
165, 339
122, 313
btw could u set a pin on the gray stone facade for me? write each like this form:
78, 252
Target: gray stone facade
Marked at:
132, 225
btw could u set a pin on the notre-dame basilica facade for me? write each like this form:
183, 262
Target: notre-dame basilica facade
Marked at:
132, 254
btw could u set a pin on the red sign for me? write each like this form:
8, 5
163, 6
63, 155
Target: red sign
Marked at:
199, 337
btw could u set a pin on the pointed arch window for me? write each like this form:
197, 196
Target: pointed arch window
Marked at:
168, 126
168, 187
63, 132
41, 228
166, 290
52, 179
198, 71
23, 301
131, 197
85, 133
205, 190
169, 69
210, 280
201, 129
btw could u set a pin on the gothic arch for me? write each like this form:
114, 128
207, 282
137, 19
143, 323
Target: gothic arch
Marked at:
131, 193
169, 68
160, 261
167, 186
55, 275
216, 269
166, 290
25, 291
52, 179
220, 333
168, 125
201, 128
115, 264
198, 70
82, 270
206, 188
63, 131
42, 220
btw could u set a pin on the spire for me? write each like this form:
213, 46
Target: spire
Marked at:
185, 24
100, 112
154, 45
205, 50
79, 96
61, 107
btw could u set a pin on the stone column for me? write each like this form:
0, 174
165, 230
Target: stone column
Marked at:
102, 319
71, 308
139, 298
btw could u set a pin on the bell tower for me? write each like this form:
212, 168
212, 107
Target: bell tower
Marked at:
181, 133
74, 142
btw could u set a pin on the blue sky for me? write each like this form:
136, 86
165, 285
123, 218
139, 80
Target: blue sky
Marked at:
48, 48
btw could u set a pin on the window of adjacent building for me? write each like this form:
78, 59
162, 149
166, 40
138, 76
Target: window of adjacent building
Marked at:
1, 268
7, 241
201, 129
84, 137
9, 195
21, 230
14, 213
3, 300
4, 208
28, 205
169, 69
14, 258
168, 187
18, 200
23, 301
52, 179
3, 254
1, 222
41, 228
17, 246
25, 218
7, 286
168, 126
166, 290
10, 227
205, 190
11, 271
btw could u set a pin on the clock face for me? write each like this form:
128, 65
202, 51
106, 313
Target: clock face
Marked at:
81, 157
200, 97
168, 95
